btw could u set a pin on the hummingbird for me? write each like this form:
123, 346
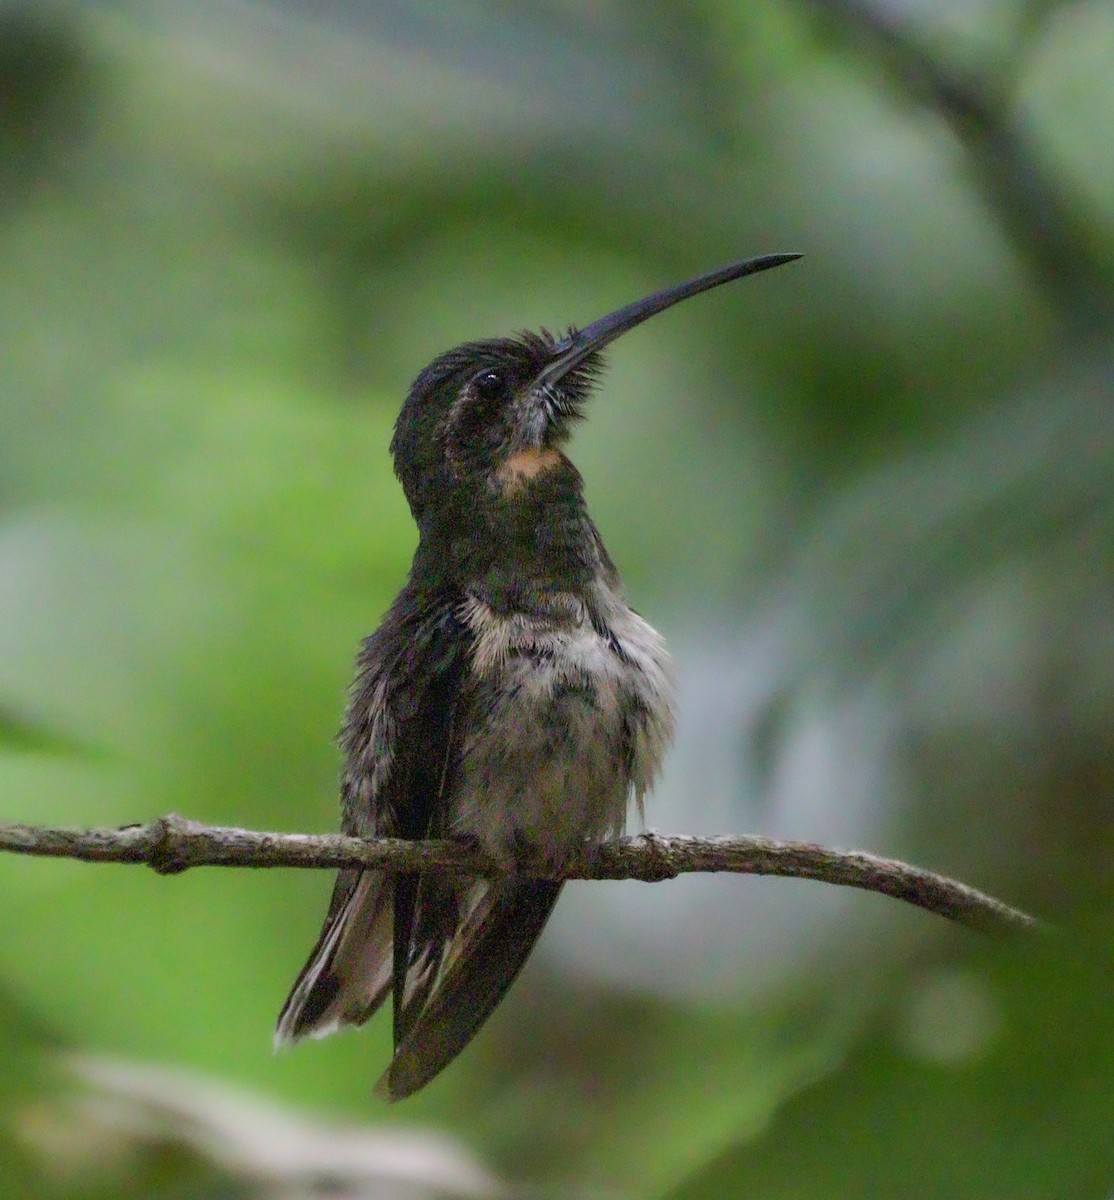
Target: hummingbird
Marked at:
510, 698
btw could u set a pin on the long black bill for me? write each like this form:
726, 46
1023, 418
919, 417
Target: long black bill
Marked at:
577, 346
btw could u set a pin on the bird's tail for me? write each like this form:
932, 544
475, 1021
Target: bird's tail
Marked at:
348, 973
480, 967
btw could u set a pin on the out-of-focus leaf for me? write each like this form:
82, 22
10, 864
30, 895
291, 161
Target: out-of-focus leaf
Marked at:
47, 87
18, 734
996, 1082
25, 1083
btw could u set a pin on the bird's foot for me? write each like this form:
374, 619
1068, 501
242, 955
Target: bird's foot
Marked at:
658, 864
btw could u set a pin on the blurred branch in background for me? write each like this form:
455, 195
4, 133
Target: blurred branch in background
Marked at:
1045, 221
173, 844
119, 1128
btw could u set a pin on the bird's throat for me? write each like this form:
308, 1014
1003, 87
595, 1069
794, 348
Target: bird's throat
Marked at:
506, 547
524, 466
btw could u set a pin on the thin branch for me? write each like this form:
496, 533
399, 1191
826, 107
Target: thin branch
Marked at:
172, 844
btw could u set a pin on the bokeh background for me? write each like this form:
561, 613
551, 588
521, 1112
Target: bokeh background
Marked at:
869, 498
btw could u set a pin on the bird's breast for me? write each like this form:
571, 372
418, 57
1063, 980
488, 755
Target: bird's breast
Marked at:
572, 718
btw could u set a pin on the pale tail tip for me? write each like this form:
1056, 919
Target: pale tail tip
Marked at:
284, 1037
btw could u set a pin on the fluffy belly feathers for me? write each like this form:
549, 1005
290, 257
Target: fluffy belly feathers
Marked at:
575, 717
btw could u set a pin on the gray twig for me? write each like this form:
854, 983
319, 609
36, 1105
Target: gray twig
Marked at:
172, 844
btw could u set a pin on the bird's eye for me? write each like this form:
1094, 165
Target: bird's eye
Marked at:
490, 385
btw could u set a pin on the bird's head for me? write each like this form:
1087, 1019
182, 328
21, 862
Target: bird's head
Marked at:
487, 419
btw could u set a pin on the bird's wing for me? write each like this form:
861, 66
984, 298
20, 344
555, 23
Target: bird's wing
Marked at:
397, 752
447, 946
459, 942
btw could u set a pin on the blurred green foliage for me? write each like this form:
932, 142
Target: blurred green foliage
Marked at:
229, 236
